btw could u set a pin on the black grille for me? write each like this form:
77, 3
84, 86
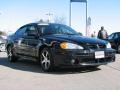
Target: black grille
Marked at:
102, 60
96, 46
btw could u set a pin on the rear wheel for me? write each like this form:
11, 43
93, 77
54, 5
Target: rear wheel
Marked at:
46, 60
11, 54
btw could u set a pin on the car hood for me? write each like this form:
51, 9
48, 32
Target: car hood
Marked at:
78, 39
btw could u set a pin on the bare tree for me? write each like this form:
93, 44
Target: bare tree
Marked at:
60, 20
42, 21
2, 33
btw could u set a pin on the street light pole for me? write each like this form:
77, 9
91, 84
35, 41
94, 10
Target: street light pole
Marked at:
70, 14
49, 16
86, 19
82, 1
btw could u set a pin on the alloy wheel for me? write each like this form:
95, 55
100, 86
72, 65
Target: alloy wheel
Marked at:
10, 54
119, 49
45, 60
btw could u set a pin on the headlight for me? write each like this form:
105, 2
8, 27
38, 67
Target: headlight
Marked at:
108, 45
66, 45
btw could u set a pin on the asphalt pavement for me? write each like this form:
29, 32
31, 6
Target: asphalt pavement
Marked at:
27, 75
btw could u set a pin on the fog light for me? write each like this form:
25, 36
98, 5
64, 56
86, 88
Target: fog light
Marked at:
72, 61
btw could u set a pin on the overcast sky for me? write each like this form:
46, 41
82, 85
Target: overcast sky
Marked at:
15, 13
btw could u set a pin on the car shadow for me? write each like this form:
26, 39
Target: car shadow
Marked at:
30, 66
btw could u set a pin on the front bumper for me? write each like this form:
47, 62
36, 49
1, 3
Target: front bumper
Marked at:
80, 58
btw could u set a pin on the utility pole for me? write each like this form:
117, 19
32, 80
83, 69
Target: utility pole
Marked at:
81, 1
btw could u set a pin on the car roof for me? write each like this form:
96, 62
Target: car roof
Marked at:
43, 23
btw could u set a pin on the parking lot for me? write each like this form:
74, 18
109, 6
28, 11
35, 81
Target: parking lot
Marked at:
26, 75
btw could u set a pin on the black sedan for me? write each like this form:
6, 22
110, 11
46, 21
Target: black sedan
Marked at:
57, 45
114, 39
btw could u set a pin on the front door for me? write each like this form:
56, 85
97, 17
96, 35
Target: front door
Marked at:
32, 40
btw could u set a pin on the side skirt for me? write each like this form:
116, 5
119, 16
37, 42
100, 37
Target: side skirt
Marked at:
28, 58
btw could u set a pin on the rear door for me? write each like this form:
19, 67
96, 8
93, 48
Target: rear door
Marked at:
19, 42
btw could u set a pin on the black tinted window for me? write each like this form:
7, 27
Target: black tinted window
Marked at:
21, 31
31, 31
31, 28
42, 29
116, 36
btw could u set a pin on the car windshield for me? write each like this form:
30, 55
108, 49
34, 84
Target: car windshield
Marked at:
57, 29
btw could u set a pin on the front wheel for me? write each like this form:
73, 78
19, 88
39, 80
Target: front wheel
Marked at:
46, 60
11, 55
118, 49
94, 67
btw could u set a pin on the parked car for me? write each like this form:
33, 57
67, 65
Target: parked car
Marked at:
2, 44
57, 45
114, 39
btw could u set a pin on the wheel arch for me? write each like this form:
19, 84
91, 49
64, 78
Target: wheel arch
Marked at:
44, 46
8, 45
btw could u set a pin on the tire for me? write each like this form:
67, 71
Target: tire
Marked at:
11, 54
46, 60
118, 49
94, 67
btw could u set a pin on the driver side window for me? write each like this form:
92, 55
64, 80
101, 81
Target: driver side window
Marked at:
31, 31
20, 32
